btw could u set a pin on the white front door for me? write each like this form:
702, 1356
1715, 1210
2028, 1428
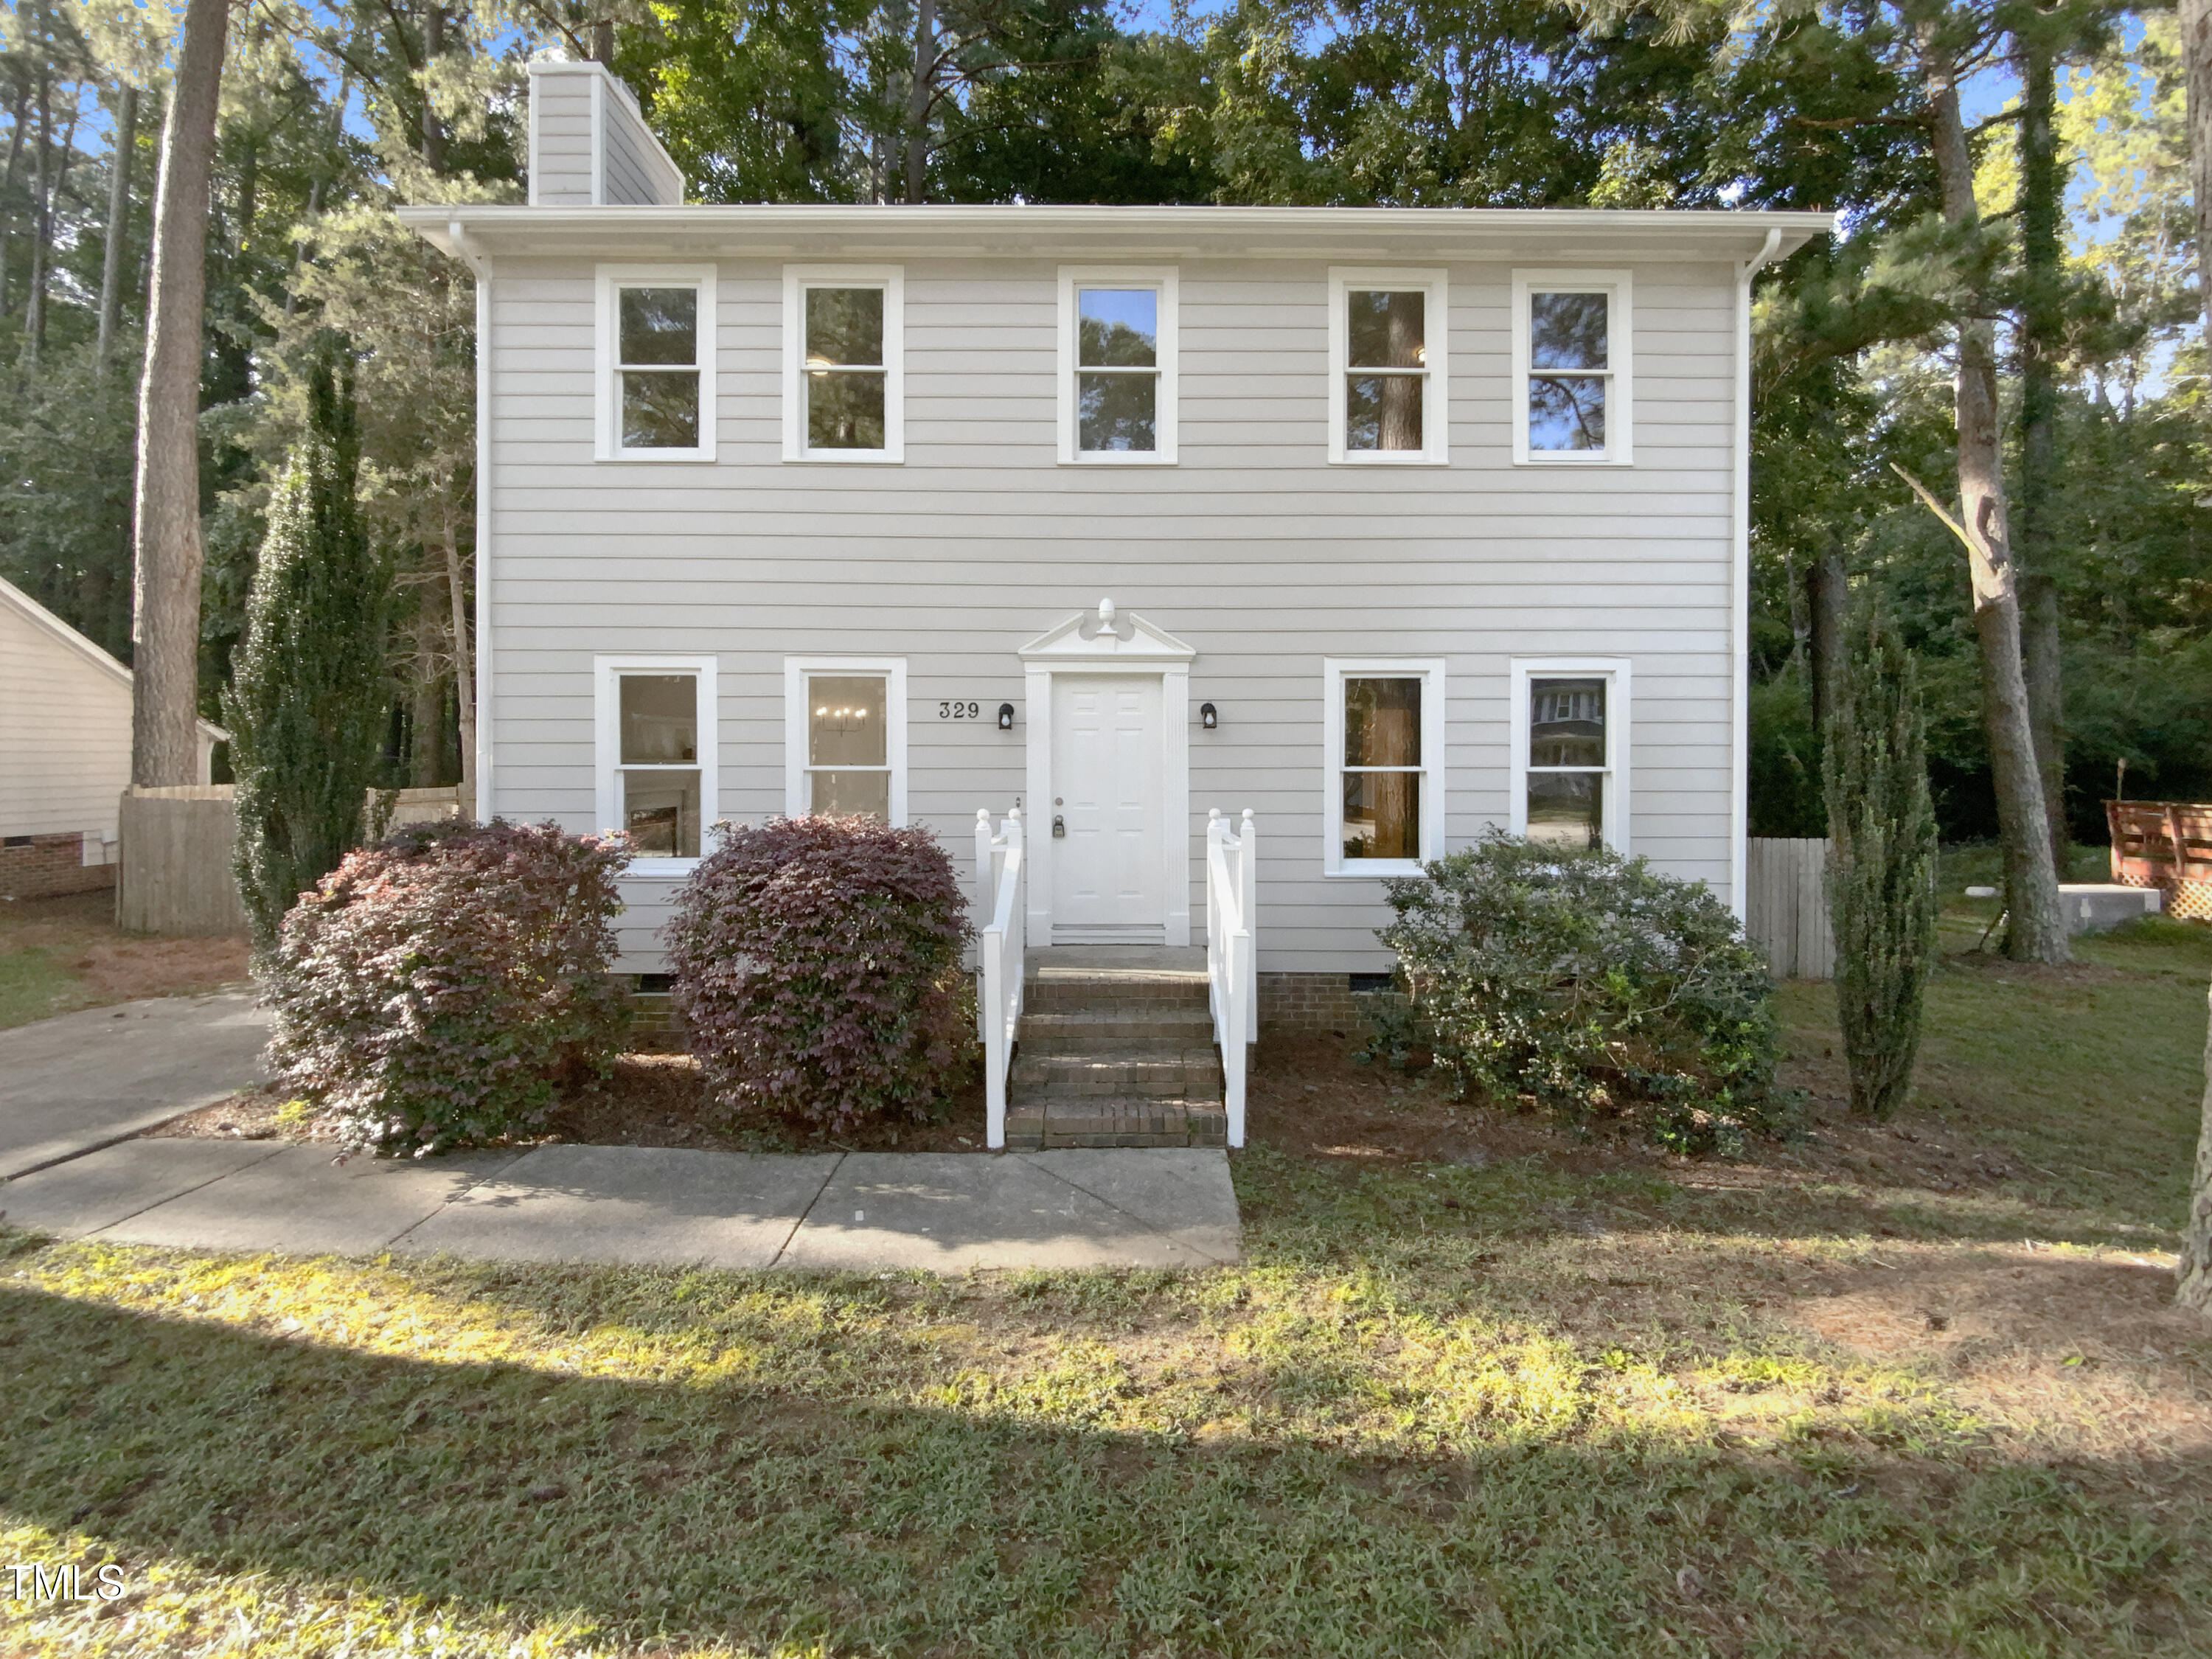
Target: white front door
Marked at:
1109, 765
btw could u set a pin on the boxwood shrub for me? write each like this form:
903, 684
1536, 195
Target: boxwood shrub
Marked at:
1586, 983
815, 965
435, 988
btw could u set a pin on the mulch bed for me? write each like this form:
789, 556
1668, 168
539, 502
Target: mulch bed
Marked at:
1308, 1097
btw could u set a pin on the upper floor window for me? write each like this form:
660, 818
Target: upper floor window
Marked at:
1117, 366
1384, 812
656, 755
1388, 395
844, 376
845, 736
1572, 367
1571, 751
656, 364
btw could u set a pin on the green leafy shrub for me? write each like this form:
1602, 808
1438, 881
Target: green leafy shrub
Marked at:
433, 987
815, 964
1586, 983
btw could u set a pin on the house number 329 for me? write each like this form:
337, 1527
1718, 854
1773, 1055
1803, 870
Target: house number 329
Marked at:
960, 711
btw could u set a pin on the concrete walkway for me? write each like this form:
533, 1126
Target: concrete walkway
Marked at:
941, 1212
80, 1081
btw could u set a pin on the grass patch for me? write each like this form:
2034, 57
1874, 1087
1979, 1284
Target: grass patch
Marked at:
1478, 1388
58, 955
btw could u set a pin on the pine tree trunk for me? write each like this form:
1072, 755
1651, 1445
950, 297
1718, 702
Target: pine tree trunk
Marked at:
917, 100
18, 120
2036, 931
166, 612
464, 670
1828, 595
118, 224
426, 711
42, 220
2195, 1288
2195, 1269
433, 48
2042, 322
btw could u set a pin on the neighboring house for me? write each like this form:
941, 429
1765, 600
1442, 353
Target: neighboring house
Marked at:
64, 752
1412, 523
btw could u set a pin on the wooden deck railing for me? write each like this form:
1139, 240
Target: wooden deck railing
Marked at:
2166, 844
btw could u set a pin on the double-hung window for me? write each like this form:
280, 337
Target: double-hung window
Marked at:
656, 755
1117, 366
656, 363
844, 337
845, 736
1573, 368
1383, 805
1390, 396
1571, 751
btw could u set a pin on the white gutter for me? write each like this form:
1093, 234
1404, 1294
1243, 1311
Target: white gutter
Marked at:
472, 254
1739, 589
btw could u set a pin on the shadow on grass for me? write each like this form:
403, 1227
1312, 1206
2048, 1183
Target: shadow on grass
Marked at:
777, 1517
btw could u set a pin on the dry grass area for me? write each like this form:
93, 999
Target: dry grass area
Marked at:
60, 954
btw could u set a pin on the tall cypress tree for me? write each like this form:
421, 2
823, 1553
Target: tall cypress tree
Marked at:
306, 704
1881, 864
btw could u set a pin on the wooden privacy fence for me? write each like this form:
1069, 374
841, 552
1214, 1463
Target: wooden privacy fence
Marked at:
2166, 844
1786, 907
174, 874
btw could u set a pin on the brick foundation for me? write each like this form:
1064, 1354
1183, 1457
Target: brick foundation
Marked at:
1314, 1002
46, 866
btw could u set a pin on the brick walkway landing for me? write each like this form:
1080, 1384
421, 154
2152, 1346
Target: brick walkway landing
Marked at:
1115, 1050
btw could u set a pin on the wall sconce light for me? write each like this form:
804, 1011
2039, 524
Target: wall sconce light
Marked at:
1208, 715
1005, 717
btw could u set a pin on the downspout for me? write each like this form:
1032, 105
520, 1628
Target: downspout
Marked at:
1739, 587
479, 266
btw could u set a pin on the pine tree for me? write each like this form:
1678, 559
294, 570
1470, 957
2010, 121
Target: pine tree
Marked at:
307, 696
1881, 866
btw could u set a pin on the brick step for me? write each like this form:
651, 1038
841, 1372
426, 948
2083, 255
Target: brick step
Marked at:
1062, 996
1161, 1120
1128, 1068
1189, 1027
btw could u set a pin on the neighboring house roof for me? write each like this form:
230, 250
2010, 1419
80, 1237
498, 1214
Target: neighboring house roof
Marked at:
17, 599
1098, 232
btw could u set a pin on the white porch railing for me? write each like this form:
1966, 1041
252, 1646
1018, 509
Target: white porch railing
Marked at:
1000, 900
1232, 974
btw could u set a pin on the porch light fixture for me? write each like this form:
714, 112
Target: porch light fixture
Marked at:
1005, 717
1208, 716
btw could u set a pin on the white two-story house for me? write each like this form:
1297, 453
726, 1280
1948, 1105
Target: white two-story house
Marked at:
1384, 525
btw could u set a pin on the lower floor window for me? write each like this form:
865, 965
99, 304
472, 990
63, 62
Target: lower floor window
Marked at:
1569, 719
656, 749
1385, 733
846, 732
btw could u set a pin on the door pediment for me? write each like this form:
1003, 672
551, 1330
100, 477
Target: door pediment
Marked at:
1104, 643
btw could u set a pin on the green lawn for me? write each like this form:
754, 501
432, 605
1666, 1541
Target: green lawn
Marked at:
1582, 1400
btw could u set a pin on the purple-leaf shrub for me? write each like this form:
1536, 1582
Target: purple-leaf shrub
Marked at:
434, 987
817, 968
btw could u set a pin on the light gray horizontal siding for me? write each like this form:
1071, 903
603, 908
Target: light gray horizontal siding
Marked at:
560, 116
1253, 549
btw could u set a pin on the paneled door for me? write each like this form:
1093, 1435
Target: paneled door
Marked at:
1107, 766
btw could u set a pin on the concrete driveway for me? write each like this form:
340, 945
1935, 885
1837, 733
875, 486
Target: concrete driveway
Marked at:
79, 1082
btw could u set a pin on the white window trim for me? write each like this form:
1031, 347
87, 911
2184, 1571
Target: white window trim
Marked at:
1436, 401
1334, 671
611, 279
795, 671
606, 675
1163, 281
1620, 352
1618, 709
797, 279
